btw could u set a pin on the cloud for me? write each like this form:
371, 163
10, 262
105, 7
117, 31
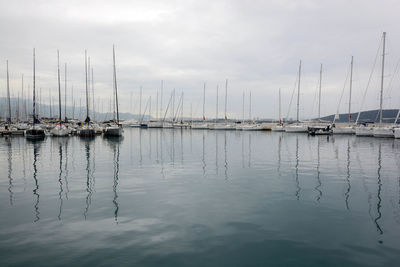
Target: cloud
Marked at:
255, 44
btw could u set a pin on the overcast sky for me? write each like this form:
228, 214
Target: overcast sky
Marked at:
256, 45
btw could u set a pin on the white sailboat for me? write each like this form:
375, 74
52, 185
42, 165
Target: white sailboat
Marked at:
279, 127
382, 130
345, 129
298, 127
366, 130
202, 125
252, 126
60, 130
114, 129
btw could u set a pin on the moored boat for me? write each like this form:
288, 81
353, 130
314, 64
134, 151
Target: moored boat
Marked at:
386, 131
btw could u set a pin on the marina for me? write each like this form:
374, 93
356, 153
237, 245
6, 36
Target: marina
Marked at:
199, 133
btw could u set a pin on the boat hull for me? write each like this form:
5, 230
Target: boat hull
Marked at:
397, 133
277, 128
383, 132
35, 134
296, 129
364, 131
113, 131
344, 130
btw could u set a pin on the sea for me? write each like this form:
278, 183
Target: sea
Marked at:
181, 197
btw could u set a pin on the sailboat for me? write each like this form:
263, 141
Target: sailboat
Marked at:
320, 128
381, 130
345, 129
279, 127
202, 125
298, 127
34, 132
365, 130
250, 126
116, 128
86, 130
60, 130
7, 130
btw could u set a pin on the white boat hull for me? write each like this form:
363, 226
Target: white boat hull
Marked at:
344, 130
278, 128
296, 129
364, 131
59, 131
200, 126
383, 132
397, 133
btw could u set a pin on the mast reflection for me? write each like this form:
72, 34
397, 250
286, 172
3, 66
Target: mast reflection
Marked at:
298, 188
88, 179
203, 158
378, 204
60, 181
318, 186
36, 146
115, 144
10, 179
226, 158
347, 194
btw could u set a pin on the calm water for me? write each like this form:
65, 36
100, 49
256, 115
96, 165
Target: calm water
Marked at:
200, 198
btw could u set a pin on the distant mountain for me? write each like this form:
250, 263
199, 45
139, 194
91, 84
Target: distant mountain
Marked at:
370, 116
44, 111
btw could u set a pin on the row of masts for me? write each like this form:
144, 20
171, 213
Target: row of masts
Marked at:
89, 81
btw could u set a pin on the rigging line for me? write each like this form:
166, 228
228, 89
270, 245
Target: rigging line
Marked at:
341, 95
315, 97
390, 87
369, 80
291, 99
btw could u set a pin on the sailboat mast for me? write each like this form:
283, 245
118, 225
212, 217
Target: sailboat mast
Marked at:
93, 106
204, 101
116, 87
226, 96
351, 86
157, 106
319, 95
161, 96
382, 77
243, 108
250, 106
59, 84
298, 93
280, 109
8, 96
216, 111
86, 82
65, 92
34, 84
140, 104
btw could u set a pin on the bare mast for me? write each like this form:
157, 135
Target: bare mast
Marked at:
319, 95
351, 85
8, 96
115, 85
87, 96
383, 69
59, 85
226, 97
34, 87
298, 93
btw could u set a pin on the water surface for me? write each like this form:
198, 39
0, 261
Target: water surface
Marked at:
167, 197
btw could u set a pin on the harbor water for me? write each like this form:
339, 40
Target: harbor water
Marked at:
172, 197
